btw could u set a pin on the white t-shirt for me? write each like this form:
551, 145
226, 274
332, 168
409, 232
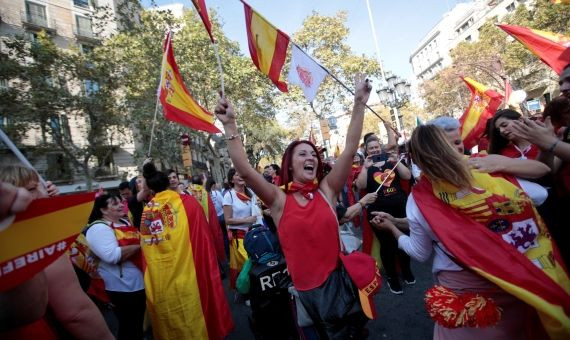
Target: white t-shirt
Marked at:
419, 244
217, 199
241, 209
103, 243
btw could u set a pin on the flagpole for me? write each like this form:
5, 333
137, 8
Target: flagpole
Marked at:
19, 155
375, 39
169, 37
220, 70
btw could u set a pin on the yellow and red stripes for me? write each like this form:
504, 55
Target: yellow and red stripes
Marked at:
184, 290
178, 104
267, 46
482, 250
40, 235
484, 103
552, 48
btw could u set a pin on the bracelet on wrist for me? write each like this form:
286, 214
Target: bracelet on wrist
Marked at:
553, 146
233, 137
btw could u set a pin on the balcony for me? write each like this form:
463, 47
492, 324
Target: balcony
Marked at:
85, 34
37, 22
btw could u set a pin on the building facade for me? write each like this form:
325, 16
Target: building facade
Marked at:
462, 23
70, 25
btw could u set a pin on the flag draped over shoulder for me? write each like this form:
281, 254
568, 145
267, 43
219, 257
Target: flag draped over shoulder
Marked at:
552, 48
203, 12
484, 103
178, 104
40, 235
267, 46
185, 297
496, 231
305, 73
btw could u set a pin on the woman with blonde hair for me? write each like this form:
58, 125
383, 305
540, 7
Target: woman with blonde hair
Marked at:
492, 249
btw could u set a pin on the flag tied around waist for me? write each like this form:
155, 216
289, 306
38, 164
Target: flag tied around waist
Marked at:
306, 73
552, 48
178, 104
484, 103
267, 46
40, 235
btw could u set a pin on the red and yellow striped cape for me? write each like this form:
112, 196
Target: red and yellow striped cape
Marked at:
524, 263
183, 286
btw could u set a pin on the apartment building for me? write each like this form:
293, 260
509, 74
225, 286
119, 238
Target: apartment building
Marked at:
462, 23
70, 25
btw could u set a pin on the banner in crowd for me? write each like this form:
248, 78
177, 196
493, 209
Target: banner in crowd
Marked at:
484, 103
306, 73
203, 12
552, 48
267, 46
40, 235
178, 104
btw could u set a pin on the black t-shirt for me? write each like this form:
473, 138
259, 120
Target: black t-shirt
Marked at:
391, 196
136, 208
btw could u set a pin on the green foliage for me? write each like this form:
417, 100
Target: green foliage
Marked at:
325, 39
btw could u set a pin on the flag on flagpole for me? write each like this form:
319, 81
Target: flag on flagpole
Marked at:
177, 103
203, 12
267, 46
305, 72
552, 48
40, 235
484, 103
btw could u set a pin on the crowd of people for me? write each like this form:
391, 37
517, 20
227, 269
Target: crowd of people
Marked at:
295, 240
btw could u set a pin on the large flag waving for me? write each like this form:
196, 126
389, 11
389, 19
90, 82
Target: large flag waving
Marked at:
183, 286
484, 103
552, 48
178, 104
306, 73
267, 46
203, 12
40, 235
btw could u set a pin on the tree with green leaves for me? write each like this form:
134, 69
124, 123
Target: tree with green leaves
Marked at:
325, 39
139, 51
51, 87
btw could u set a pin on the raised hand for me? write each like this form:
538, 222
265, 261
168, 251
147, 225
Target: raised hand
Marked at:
225, 111
538, 133
363, 88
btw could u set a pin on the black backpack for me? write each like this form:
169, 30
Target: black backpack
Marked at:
262, 245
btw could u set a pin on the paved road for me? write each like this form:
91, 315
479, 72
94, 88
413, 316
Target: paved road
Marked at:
399, 316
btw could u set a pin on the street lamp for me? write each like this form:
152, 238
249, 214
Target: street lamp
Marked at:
395, 93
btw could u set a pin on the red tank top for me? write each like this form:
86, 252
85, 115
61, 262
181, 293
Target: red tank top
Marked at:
309, 239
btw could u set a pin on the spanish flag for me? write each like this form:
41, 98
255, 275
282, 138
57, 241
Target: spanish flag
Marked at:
552, 48
267, 46
203, 12
185, 297
495, 231
40, 235
484, 103
178, 104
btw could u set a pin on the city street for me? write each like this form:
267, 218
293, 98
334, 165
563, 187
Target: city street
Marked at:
399, 316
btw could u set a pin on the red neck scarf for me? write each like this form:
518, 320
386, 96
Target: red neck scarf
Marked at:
306, 189
242, 196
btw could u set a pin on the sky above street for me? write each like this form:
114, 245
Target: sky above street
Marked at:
400, 25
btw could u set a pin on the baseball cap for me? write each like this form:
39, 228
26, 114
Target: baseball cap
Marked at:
365, 274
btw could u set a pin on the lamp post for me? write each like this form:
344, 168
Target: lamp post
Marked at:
394, 93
